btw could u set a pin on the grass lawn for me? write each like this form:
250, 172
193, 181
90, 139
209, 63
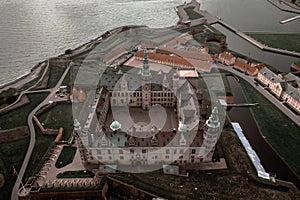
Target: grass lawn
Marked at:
43, 145
71, 76
282, 133
76, 174
56, 71
289, 41
11, 154
192, 14
18, 117
59, 116
66, 156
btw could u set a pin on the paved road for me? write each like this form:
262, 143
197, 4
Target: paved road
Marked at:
295, 118
14, 195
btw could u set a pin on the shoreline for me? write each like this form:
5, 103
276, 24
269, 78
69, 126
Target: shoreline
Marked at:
35, 70
182, 15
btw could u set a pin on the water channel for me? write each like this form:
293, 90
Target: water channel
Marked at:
279, 61
269, 158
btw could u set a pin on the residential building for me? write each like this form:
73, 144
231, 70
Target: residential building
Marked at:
285, 87
227, 58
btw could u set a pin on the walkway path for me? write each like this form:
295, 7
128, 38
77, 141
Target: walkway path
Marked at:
14, 195
295, 118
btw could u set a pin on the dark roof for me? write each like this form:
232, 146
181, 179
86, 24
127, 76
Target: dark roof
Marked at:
267, 73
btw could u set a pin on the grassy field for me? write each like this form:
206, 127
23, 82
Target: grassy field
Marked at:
289, 41
43, 144
66, 156
18, 117
192, 14
11, 155
282, 133
60, 115
56, 71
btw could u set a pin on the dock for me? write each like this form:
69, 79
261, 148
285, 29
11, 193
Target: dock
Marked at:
289, 19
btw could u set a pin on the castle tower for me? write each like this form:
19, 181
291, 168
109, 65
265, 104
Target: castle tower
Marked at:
175, 80
165, 84
211, 136
146, 83
182, 130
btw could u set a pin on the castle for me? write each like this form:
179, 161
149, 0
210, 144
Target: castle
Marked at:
141, 120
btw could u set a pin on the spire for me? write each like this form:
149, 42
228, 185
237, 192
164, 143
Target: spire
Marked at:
182, 129
146, 71
165, 83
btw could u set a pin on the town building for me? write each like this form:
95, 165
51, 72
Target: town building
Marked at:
285, 88
227, 58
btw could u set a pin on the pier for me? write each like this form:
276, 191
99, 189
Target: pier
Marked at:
290, 19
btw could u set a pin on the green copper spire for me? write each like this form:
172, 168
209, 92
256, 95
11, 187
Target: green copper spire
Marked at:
146, 71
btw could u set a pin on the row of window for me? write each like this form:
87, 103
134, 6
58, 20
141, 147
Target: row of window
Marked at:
155, 157
139, 94
167, 151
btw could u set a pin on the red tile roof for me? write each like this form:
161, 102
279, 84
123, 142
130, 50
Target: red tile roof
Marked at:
226, 56
158, 57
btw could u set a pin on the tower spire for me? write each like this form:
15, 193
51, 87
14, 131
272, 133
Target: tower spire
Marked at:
146, 71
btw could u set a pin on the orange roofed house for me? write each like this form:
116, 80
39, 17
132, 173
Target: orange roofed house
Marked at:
227, 58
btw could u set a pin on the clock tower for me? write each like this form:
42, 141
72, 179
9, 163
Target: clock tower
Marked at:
146, 83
